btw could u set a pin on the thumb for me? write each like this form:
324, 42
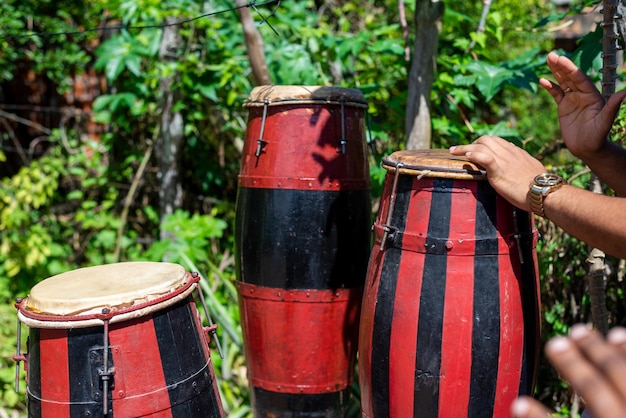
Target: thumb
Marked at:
613, 103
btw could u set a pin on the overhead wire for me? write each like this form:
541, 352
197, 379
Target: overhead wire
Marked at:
251, 4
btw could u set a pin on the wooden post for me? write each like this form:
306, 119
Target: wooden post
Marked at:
596, 274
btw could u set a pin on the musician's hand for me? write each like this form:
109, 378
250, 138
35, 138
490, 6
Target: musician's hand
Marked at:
594, 367
584, 118
510, 169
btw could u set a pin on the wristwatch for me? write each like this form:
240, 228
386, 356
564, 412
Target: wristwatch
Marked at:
543, 185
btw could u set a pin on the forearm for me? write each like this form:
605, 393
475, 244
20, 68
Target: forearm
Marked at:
609, 164
594, 218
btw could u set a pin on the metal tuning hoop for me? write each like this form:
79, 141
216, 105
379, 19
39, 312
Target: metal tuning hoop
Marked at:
261, 142
387, 228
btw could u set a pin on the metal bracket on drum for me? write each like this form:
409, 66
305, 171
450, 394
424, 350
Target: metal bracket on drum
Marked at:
343, 142
522, 223
370, 141
212, 327
18, 357
106, 374
390, 231
261, 143
387, 228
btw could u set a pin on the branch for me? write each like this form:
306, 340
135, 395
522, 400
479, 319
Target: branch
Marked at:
596, 274
131, 195
609, 48
254, 45
26, 122
16, 142
405, 30
481, 24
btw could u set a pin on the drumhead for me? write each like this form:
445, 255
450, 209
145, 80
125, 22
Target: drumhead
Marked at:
91, 289
433, 163
280, 95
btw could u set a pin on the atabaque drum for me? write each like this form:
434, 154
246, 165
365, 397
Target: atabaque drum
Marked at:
302, 241
450, 317
120, 340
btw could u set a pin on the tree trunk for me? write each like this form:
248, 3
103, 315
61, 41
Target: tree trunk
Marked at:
428, 16
169, 144
596, 273
254, 45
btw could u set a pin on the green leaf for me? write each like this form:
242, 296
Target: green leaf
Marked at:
489, 77
588, 56
133, 64
500, 129
463, 96
209, 91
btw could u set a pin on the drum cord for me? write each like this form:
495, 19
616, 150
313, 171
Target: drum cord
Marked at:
169, 387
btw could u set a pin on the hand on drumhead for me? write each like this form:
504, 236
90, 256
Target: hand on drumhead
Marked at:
510, 169
594, 367
584, 118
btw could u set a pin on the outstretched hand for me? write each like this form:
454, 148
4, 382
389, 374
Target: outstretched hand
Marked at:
584, 118
595, 368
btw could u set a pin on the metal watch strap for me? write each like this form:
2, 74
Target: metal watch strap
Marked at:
536, 203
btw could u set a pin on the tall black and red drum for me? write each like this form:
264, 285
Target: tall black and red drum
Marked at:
121, 340
450, 317
302, 241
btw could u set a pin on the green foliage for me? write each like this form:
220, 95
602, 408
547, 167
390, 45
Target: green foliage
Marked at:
8, 396
52, 55
26, 241
478, 82
188, 235
55, 214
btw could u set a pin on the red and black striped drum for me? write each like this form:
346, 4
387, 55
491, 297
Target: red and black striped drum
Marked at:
450, 317
302, 241
121, 340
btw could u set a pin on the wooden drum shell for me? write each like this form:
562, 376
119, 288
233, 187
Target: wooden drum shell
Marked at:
450, 316
302, 241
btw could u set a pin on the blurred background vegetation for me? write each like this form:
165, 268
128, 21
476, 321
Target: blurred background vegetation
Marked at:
81, 115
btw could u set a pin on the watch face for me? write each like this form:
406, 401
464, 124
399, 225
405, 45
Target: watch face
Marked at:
548, 179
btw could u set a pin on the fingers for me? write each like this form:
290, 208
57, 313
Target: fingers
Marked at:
483, 152
593, 367
483, 143
492, 152
617, 338
555, 90
612, 106
568, 75
607, 357
526, 407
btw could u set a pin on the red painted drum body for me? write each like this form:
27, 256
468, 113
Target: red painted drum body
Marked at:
450, 316
123, 338
302, 241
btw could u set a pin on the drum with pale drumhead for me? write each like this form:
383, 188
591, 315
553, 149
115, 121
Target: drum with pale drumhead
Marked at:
302, 240
118, 340
450, 317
